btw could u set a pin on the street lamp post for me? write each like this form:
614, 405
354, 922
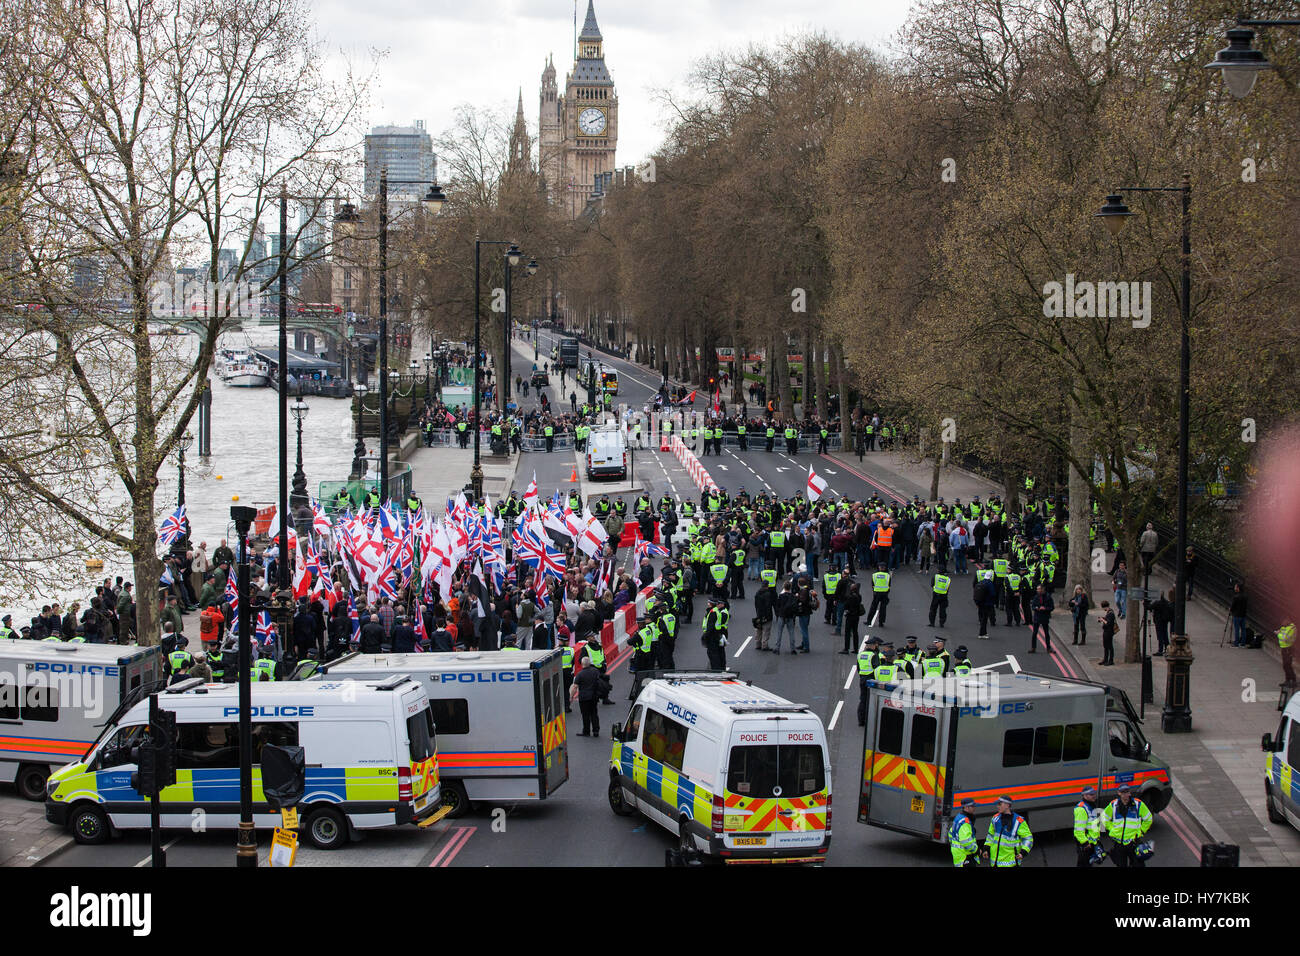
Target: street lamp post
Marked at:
476, 473
182, 543
359, 453
246, 841
1176, 716
433, 201
299, 499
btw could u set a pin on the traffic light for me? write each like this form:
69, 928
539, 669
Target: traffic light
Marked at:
145, 780
162, 729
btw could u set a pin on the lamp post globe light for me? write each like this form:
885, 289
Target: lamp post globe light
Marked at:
1239, 62
1176, 716
182, 544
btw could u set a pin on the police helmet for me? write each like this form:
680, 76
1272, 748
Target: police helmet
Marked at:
961, 651
1144, 850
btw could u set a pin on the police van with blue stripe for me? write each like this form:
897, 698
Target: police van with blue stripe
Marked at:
733, 771
54, 698
499, 716
370, 748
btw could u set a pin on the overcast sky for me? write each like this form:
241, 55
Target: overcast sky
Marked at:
441, 54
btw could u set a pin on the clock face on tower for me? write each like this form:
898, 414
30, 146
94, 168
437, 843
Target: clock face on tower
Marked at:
591, 121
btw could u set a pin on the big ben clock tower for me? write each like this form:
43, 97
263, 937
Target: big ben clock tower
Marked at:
579, 130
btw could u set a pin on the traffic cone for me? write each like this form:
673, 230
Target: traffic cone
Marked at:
574, 477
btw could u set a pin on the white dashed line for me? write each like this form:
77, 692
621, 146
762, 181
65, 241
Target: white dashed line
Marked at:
835, 716
743, 646
853, 672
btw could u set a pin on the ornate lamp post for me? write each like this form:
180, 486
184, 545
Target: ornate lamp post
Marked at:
359, 453
299, 499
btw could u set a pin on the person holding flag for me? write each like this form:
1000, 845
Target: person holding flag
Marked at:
816, 485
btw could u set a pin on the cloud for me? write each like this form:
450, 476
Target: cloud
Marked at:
442, 54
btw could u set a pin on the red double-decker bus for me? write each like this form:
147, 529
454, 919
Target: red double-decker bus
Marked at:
319, 308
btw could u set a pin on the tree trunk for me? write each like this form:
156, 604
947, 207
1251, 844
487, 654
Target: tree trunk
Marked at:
1133, 622
934, 475
819, 370
841, 379
1078, 567
781, 372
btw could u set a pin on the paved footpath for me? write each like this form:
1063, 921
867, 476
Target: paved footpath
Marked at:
1218, 769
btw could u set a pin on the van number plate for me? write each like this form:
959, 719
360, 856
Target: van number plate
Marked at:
749, 841
918, 805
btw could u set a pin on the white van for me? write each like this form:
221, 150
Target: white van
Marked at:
54, 698
930, 744
499, 717
607, 453
1281, 781
372, 760
735, 771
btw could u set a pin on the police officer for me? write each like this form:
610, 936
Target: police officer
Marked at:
1009, 837
909, 658
830, 590
566, 662
771, 436
643, 658
1087, 827
880, 581
263, 668
596, 655
179, 661
933, 664
791, 440
1126, 821
737, 573
939, 585
667, 642
740, 434
620, 507
867, 657
716, 620
718, 572
961, 835
961, 665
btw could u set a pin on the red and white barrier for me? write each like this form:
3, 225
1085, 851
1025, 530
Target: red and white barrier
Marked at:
699, 474
615, 633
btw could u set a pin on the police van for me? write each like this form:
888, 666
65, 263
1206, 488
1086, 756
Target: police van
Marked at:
607, 453
735, 771
55, 696
499, 717
930, 744
371, 754
1281, 761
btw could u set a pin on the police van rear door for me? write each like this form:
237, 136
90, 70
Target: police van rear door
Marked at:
552, 732
905, 765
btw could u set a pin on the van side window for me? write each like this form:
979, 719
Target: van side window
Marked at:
277, 735
1047, 743
924, 729
117, 751
8, 697
202, 746
633, 725
1018, 747
889, 739
41, 701
450, 716
1117, 731
1293, 748
1078, 742
665, 739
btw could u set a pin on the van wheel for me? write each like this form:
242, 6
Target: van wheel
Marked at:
1271, 807
31, 781
89, 825
616, 801
327, 829
454, 796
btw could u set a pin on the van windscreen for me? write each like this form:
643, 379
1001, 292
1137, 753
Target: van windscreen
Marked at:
419, 727
776, 770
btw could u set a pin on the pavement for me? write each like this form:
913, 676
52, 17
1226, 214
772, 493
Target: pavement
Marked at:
439, 473
1217, 769
25, 838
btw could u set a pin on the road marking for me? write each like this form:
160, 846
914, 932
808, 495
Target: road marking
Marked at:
829, 472
148, 860
743, 646
835, 716
780, 469
723, 467
453, 846
849, 682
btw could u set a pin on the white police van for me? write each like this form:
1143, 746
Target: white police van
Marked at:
1282, 760
734, 771
371, 754
54, 698
499, 717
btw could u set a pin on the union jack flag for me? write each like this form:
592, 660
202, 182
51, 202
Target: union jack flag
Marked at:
354, 618
648, 549
539, 555
172, 527
265, 629
232, 596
